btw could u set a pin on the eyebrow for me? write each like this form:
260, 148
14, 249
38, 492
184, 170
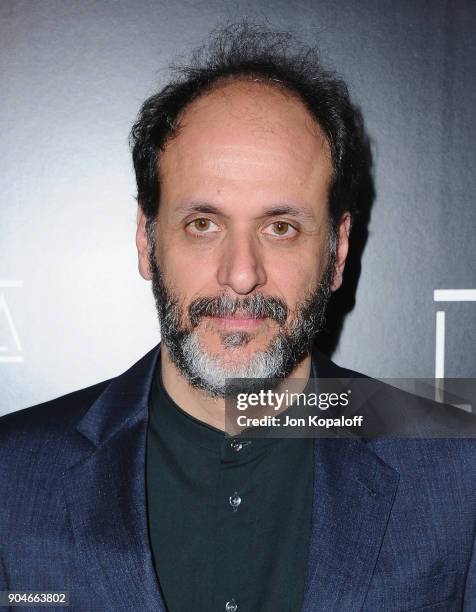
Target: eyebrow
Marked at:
273, 211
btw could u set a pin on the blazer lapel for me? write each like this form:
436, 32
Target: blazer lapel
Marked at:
354, 492
106, 495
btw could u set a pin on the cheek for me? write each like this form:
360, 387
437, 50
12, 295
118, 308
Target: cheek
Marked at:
188, 273
293, 279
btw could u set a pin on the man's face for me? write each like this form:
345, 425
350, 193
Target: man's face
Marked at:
241, 267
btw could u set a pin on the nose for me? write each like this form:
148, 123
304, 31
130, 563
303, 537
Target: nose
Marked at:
241, 267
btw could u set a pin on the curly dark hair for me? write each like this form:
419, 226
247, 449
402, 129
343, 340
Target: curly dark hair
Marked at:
250, 51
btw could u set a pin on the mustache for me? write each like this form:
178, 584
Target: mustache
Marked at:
256, 305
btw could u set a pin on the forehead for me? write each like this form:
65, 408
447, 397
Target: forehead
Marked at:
244, 135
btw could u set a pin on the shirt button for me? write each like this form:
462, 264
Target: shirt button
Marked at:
231, 606
235, 501
236, 446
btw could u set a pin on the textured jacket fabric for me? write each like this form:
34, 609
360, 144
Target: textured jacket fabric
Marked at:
392, 527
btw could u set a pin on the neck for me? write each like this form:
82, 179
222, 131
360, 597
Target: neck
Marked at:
198, 403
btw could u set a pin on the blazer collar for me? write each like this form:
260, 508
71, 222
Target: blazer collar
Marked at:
105, 491
123, 401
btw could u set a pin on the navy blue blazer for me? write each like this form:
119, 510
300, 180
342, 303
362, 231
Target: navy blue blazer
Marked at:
392, 525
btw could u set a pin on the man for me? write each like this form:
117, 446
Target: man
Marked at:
128, 494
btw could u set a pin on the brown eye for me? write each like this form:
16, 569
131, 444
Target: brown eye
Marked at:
201, 224
281, 227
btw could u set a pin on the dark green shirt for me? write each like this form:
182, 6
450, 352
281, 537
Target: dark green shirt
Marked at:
229, 520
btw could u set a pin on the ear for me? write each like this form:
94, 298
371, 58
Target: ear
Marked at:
342, 248
142, 245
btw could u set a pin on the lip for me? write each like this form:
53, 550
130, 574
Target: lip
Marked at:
238, 322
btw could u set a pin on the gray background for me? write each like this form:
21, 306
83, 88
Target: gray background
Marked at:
73, 77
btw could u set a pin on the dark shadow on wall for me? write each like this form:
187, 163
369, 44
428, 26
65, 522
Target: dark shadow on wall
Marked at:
343, 301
